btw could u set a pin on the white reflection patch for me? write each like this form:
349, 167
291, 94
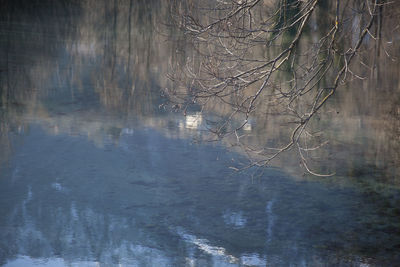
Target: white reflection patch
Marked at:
192, 121
128, 131
252, 260
235, 219
59, 187
203, 245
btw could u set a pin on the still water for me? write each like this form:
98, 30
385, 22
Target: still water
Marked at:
93, 172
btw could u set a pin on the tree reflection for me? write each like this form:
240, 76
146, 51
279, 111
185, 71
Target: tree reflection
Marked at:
254, 59
73, 71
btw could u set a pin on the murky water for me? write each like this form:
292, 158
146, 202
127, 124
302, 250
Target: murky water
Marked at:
94, 173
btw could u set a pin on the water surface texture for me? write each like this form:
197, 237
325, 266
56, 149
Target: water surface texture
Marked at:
94, 172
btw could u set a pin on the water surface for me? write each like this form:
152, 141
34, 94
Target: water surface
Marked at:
94, 173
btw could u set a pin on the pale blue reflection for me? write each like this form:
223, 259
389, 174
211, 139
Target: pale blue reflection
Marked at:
94, 172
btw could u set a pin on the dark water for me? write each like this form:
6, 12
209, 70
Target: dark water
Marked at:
94, 173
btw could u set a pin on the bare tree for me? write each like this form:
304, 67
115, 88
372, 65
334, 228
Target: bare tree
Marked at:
286, 57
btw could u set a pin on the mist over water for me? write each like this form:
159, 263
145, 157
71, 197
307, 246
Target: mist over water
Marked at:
95, 172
